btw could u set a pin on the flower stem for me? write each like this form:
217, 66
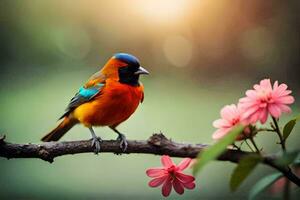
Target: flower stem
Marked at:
265, 129
249, 146
277, 130
236, 146
254, 144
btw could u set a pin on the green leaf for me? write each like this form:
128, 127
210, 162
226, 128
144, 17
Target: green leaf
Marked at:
243, 170
217, 149
262, 184
287, 158
288, 128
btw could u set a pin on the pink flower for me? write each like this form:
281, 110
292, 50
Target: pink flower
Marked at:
265, 100
231, 116
170, 174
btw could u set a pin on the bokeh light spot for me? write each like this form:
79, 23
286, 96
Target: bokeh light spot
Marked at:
258, 44
73, 42
178, 50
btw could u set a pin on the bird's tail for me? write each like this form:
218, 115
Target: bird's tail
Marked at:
60, 130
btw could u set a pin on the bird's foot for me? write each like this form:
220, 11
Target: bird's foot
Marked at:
96, 143
123, 142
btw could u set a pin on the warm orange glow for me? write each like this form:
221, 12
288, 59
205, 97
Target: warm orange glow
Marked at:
161, 10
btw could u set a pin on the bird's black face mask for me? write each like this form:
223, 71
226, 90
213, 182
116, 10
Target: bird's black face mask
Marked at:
130, 74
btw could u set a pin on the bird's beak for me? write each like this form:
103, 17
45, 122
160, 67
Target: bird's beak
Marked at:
141, 70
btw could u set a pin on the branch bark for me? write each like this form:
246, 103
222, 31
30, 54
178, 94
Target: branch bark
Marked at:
157, 144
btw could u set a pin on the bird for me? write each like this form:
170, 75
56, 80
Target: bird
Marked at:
108, 98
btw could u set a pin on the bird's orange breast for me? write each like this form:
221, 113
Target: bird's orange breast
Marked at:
114, 104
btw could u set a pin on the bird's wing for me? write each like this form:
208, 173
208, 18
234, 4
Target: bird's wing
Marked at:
86, 93
96, 78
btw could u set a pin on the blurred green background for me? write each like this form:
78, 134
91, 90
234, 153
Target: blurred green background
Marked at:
201, 55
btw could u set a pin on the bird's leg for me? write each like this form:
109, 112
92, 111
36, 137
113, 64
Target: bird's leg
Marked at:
122, 139
95, 141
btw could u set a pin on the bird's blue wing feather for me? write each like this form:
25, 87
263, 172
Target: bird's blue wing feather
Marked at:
82, 96
87, 93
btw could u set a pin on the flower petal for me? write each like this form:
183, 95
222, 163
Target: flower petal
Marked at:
178, 187
155, 172
229, 112
166, 161
221, 123
285, 100
184, 164
280, 90
263, 116
284, 108
190, 185
275, 85
167, 187
274, 110
251, 94
252, 119
158, 181
220, 133
249, 111
184, 178
266, 84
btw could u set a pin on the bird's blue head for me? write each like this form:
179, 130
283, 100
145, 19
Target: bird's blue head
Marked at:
127, 58
129, 74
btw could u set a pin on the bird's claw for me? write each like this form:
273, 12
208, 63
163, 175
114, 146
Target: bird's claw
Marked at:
96, 143
123, 142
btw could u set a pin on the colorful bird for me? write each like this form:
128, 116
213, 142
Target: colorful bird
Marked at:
108, 98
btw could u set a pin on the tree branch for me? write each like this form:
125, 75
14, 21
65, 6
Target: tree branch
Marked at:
157, 144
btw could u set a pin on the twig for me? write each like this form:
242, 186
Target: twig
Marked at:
265, 129
157, 144
254, 144
249, 146
277, 130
